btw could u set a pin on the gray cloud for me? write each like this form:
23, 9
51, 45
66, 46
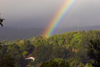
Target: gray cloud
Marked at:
38, 13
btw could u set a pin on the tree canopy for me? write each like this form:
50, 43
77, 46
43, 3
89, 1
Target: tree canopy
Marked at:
94, 52
1, 20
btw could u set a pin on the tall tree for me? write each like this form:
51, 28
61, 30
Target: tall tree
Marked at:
94, 52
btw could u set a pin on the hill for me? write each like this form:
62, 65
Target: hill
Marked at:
69, 46
7, 33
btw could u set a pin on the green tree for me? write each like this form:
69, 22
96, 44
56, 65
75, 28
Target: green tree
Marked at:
39, 42
1, 20
81, 65
44, 64
27, 46
76, 41
75, 63
94, 52
58, 60
13, 50
63, 64
59, 52
88, 65
43, 53
7, 61
61, 42
55, 64
25, 53
49, 64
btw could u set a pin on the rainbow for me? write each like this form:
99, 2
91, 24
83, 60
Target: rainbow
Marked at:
57, 20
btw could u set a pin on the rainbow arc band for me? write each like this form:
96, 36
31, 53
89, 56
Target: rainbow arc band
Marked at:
59, 16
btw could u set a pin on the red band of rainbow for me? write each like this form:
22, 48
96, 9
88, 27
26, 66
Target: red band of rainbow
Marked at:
57, 20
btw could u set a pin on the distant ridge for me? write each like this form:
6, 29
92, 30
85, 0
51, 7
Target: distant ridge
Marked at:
8, 33
86, 28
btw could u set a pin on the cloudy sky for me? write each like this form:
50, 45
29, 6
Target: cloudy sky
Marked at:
38, 13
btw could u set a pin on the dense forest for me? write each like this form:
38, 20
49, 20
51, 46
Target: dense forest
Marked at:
69, 47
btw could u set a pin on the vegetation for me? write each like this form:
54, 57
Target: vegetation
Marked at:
94, 52
55, 64
1, 20
71, 49
6, 60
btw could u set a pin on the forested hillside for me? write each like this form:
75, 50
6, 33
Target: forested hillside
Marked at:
69, 46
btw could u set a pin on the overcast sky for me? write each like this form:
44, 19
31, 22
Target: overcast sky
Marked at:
38, 13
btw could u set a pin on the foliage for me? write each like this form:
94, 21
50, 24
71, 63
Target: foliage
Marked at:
54, 64
7, 61
76, 41
63, 64
58, 60
49, 64
27, 46
70, 46
25, 53
94, 52
39, 42
1, 20
88, 65
59, 52
13, 50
